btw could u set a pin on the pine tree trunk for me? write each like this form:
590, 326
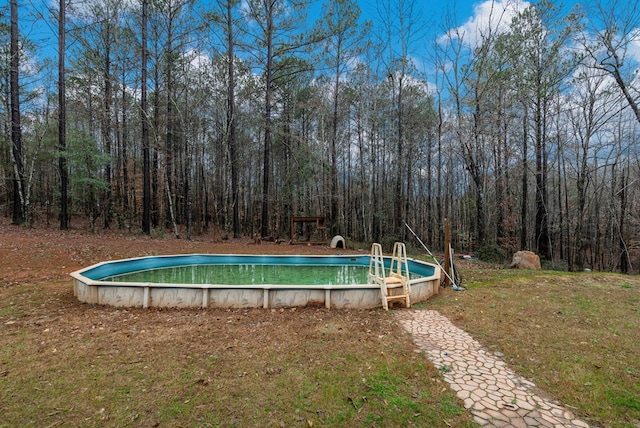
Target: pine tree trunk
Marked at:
62, 120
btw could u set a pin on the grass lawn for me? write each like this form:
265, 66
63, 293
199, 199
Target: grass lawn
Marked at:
64, 363
575, 335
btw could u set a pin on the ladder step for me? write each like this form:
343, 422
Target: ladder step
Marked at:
398, 274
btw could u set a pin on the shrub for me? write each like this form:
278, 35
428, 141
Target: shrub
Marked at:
491, 253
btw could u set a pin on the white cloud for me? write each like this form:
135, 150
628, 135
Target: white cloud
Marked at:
494, 15
634, 44
198, 59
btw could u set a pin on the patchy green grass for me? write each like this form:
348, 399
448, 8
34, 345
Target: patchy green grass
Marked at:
66, 363
574, 334
63, 363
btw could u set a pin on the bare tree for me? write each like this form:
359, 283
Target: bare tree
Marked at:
232, 142
593, 109
227, 21
344, 42
275, 32
462, 70
146, 154
20, 214
538, 40
402, 30
611, 31
62, 119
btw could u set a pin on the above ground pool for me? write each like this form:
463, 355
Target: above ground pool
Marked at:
242, 281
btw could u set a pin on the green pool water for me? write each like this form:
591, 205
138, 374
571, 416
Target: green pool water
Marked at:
241, 274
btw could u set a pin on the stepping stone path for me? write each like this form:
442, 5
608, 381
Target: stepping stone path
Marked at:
494, 394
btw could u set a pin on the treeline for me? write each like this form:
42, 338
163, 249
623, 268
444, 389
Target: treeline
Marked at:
231, 117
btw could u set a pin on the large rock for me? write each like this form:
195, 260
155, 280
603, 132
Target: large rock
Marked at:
526, 260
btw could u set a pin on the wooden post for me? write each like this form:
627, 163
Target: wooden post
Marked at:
447, 252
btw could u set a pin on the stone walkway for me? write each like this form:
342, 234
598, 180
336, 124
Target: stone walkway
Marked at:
492, 392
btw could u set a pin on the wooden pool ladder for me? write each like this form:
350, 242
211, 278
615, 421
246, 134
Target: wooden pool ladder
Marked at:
395, 285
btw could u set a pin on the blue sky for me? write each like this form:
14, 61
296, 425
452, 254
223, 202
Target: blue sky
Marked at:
435, 18
431, 10
44, 33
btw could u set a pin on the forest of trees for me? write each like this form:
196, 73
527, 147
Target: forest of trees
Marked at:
229, 117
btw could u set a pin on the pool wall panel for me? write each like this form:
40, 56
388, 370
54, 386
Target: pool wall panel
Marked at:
121, 296
90, 289
293, 297
235, 298
86, 293
356, 298
421, 290
175, 297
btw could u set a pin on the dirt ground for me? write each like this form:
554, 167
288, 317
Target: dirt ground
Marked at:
46, 256
286, 367
76, 248
192, 367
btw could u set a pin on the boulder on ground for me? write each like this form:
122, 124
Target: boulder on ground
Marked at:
526, 260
